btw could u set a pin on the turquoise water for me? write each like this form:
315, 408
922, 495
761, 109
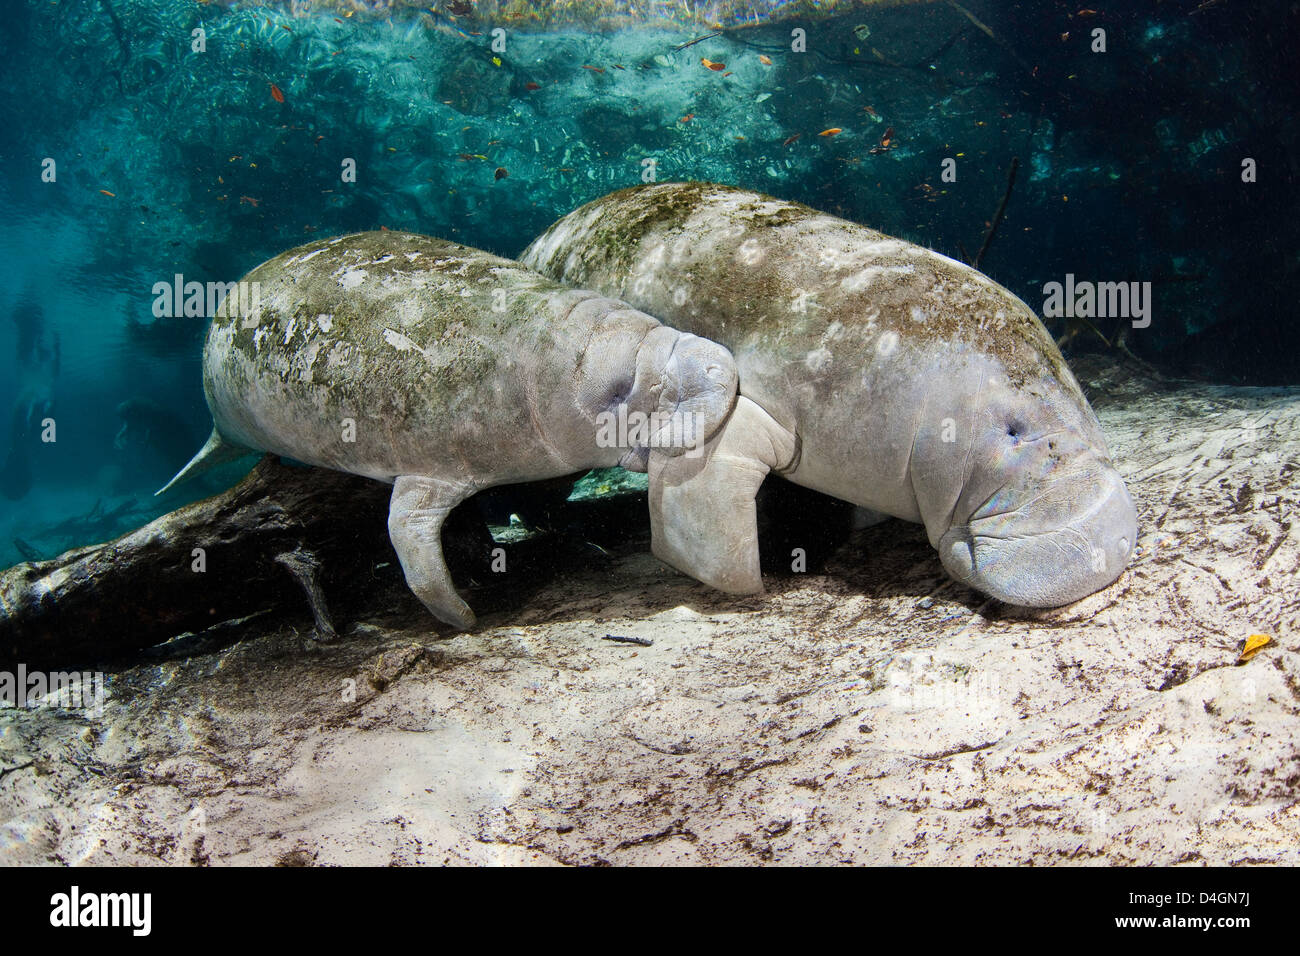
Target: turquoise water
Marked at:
203, 154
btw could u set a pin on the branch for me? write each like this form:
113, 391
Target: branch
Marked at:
261, 540
997, 217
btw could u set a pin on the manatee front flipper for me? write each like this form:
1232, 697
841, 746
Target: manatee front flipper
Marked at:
703, 520
415, 516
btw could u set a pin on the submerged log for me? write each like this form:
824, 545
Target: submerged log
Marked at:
293, 540
253, 548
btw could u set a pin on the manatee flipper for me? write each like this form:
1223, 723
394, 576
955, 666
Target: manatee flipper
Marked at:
418, 508
216, 451
703, 520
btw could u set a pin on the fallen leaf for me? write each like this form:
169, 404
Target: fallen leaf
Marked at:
1252, 646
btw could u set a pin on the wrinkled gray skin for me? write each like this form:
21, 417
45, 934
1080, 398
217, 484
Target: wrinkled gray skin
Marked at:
460, 370
871, 369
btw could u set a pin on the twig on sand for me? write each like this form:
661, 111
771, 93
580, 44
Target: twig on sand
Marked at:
5, 771
620, 639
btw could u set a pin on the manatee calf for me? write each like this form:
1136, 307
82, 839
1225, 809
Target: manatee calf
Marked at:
871, 369
445, 370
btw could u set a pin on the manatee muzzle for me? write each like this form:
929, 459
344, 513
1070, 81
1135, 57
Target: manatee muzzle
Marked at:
1058, 547
686, 388
699, 392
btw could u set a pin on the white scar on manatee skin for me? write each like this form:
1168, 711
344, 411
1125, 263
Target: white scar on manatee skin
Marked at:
907, 383
443, 370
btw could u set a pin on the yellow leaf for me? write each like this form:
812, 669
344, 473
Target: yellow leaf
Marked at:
496, 61
1252, 646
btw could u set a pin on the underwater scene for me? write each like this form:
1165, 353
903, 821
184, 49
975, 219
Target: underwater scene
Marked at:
855, 389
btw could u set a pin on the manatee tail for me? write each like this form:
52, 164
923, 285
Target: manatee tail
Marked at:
216, 451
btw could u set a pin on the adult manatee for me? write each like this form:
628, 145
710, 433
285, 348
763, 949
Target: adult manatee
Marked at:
871, 369
445, 370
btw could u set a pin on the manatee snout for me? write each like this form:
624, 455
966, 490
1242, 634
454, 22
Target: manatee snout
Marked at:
700, 383
1062, 544
693, 392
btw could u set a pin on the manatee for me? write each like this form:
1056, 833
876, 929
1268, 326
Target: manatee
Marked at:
445, 370
871, 369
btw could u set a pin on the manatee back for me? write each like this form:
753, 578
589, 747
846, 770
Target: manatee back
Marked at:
810, 304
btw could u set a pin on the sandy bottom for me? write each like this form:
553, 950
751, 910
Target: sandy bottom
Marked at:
873, 713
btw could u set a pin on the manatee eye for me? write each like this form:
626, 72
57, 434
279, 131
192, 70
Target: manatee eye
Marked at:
1013, 431
618, 394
